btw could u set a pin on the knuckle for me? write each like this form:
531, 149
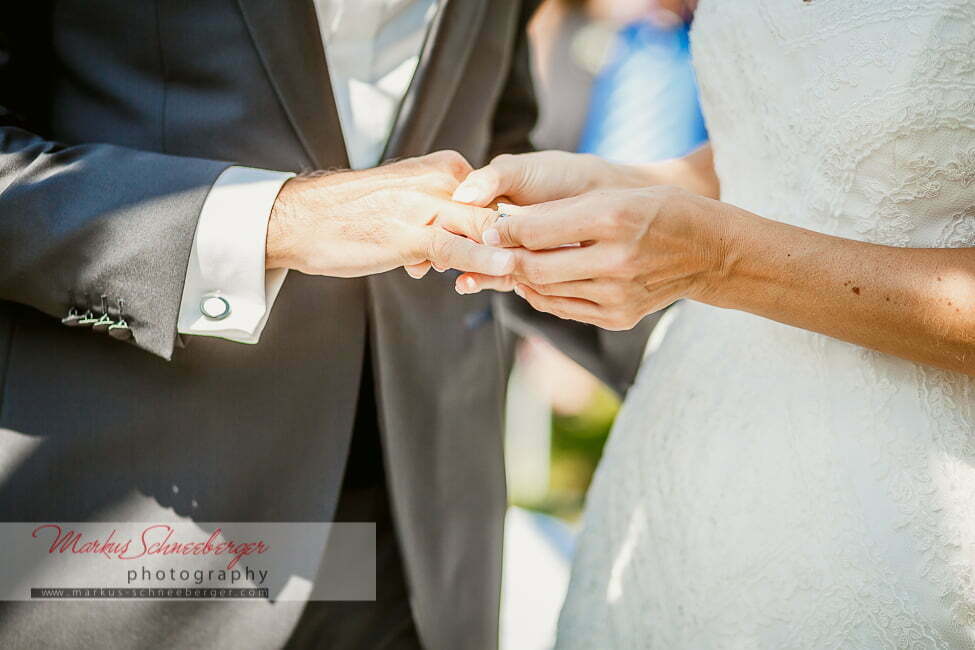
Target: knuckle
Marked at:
506, 167
631, 259
412, 199
439, 246
453, 162
506, 231
616, 262
440, 182
483, 219
605, 223
489, 175
619, 217
616, 294
533, 273
624, 319
519, 233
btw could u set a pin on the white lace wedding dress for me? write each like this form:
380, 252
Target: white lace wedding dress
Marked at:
765, 486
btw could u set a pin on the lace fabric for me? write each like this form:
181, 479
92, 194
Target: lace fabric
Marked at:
767, 486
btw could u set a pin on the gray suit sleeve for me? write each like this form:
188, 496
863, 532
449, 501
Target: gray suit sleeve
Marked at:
98, 219
613, 357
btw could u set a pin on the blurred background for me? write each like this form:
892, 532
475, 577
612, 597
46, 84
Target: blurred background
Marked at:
613, 78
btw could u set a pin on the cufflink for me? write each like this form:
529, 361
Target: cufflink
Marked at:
103, 323
215, 307
120, 330
71, 320
88, 319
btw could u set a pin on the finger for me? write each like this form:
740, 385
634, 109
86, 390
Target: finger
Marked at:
448, 160
417, 271
568, 308
598, 291
461, 219
505, 174
452, 251
561, 264
548, 225
475, 282
483, 185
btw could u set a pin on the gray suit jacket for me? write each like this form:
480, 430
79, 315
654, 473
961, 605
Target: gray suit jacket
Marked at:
118, 116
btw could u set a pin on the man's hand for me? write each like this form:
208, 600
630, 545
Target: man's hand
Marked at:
356, 223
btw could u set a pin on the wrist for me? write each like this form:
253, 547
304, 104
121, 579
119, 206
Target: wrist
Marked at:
279, 248
722, 229
693, 172
613, 175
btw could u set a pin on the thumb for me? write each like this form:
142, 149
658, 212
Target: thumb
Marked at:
480, 187
502, 176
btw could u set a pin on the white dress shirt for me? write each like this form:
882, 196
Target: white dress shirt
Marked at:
372, 48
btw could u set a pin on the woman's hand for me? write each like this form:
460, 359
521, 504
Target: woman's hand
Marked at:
535, 178
610, 257
544, 176
549, 175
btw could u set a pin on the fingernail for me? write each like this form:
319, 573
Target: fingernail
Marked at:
438, 269
502, 263
519, 291
467, 193
467, 285
491, 237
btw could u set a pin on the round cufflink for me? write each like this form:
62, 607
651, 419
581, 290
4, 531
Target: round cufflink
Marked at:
215, 307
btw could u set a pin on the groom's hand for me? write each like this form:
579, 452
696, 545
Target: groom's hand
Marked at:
356, 223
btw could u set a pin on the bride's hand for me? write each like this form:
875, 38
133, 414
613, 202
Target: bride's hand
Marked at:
549, 175
638, 251
543, 176
535, 178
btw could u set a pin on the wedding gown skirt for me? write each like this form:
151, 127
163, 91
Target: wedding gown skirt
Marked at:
765, 486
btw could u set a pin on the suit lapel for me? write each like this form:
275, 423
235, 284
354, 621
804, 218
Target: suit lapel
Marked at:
438, 72
290, 46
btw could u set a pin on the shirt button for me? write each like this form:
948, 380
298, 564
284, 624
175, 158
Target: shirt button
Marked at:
215, 307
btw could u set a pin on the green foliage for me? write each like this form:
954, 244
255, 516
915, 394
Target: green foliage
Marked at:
577, 445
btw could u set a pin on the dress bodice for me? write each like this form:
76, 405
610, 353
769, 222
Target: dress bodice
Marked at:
851, 118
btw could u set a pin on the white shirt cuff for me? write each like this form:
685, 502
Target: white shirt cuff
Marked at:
227, 292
